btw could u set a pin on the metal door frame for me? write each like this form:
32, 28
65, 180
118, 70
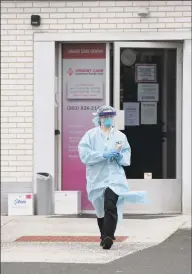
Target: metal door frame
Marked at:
116, 94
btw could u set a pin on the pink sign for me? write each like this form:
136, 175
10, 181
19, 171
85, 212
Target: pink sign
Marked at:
84, 68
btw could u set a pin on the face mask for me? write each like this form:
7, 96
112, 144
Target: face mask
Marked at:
107, 122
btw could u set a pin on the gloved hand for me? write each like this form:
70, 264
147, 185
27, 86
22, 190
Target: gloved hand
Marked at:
110, 154
119, 157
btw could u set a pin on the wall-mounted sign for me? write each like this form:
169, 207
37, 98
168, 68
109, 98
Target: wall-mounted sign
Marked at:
84, 91
149, 113
84, 82
131, 110
145, 73
148, 92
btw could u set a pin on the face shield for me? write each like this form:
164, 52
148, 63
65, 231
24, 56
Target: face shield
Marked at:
104, 116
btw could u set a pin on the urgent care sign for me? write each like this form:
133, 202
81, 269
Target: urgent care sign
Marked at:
84, 91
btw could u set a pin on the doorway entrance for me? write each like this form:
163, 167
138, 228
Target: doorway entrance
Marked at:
147, 87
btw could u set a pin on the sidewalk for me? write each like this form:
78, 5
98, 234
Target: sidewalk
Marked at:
141, 233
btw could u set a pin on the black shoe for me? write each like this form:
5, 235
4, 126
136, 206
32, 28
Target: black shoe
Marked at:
107, 243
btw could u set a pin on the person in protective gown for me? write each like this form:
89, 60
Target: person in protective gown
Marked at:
105, 150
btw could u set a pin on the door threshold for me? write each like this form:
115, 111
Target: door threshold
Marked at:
126, 216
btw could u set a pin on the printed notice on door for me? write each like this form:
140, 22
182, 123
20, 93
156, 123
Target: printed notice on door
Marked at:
145, 73
131, 110
148, 92
149, 113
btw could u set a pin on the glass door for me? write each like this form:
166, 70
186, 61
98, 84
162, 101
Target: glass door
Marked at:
147, 88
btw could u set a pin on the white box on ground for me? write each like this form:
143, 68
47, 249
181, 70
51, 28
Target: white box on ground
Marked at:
67, 202
20, 204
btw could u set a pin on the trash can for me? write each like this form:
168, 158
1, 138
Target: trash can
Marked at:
44, 196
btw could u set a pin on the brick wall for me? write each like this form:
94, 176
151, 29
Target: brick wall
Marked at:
59, 16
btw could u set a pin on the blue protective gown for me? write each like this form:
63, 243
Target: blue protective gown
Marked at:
102, 173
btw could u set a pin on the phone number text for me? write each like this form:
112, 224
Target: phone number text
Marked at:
82, 107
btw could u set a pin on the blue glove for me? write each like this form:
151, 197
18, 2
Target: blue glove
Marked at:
110, 154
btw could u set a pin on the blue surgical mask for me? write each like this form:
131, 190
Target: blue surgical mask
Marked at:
108, 122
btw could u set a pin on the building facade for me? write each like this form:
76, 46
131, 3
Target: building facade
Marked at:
134, 55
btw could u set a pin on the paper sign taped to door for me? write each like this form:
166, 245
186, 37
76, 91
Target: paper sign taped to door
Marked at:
149, 113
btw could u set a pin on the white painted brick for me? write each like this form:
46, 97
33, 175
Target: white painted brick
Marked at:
82, 20
49, 10
107, 26
3, 10
123, 3
17, 119
140, 25
24, 4
122, 26
141, 3
166, 19
174, 14
187, 13
93, 26
32, 10
91, 15
166, 8
182, 8
4, 152
101, 9
91, 3
74, 4
41, 4
20, 163
157, 3
24, 37
115, 20
186, 25
66, 17
8, 27
20, 158
24, 168
4, 76
8, 169
156, 26
175, 3
58, 26
74, 15
107, 15
81, 10
57, 15
28, 141
158, 14
173, 25
183, 19
57, 4
149, 20
12, 158
15, 10
8, 4
66, 21
99, 20
64, 10
107, 4
115, 9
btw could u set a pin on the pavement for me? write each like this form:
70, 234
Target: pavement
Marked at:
143, 234
173, 256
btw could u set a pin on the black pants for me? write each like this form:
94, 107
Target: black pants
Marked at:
108, 224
